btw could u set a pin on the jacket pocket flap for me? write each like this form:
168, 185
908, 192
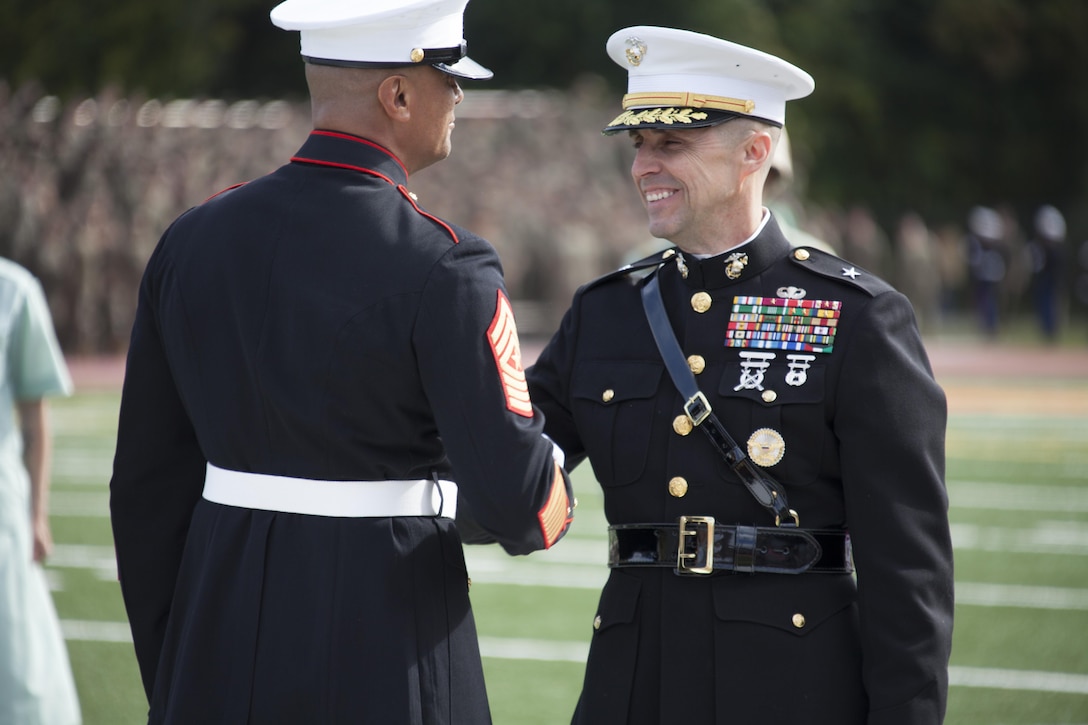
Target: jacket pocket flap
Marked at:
796, 609
619, 601
611, 382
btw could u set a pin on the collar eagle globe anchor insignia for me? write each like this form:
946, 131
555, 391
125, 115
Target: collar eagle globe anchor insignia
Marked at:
636, 50
735, 264
766, 447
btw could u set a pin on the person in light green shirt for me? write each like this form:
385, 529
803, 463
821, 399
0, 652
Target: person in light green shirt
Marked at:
36, 684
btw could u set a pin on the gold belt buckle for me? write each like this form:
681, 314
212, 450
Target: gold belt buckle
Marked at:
702, 526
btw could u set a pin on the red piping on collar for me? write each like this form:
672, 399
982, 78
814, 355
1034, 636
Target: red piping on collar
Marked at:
400, 187
356, 139
408, 195
350, 167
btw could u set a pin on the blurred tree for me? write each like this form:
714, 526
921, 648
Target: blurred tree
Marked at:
165, 48
929, 104
555, 42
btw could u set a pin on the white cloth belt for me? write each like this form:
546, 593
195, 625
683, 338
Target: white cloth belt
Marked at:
362, 499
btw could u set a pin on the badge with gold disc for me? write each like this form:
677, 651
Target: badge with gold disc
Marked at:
766, 447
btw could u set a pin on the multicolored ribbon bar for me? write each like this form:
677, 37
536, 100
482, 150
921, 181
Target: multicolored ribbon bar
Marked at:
782, 324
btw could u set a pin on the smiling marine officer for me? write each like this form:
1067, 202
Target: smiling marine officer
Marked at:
321, 373
761, 419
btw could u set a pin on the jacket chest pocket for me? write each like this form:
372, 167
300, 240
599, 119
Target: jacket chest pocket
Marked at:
781, 404
613, 406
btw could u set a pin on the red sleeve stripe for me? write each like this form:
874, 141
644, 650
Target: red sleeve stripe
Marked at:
503, 337
555, 516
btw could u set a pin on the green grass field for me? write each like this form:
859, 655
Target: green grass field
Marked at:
1017, 478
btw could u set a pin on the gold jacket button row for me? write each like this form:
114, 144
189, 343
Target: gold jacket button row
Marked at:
678, 487
682, 425
597, 622
700, 302
697, 363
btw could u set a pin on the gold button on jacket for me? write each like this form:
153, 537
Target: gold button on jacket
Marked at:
678, 487
682, 425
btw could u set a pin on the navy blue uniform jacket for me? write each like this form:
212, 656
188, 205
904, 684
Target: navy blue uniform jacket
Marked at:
862, 422
317, 323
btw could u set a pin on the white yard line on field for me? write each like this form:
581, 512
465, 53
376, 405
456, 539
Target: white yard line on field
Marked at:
1044, 537
996, 679
973, 495
1017, 497
559, 651
548, 569
81, 630
1021, 597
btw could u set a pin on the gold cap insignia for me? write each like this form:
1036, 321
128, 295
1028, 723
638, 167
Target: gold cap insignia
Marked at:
636, 51
766, 447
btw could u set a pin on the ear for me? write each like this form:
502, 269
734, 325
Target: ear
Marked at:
758, 148
393, 95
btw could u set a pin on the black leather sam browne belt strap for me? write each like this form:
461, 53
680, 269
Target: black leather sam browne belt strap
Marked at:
766, 490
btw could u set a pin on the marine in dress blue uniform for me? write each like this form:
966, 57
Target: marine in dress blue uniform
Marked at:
717, 610
321, 373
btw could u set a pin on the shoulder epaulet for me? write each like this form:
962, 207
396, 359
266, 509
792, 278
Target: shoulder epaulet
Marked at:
653, 260
838, 269
224, 191
414, 201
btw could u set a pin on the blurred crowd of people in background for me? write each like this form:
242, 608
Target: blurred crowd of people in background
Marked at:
88, 187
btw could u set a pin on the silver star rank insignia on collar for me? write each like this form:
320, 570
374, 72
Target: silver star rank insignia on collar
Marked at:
850, 272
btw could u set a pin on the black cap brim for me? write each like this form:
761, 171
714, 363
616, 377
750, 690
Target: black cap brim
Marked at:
466, 68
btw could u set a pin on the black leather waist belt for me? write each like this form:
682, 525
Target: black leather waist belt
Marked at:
698, 545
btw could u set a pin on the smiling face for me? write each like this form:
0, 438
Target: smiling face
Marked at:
696, 183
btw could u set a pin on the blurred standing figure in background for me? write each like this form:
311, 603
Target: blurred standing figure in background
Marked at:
986, 258
781, 197
918, 274
761, 418
36, 685
321, 376
1047, 247
863, 241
